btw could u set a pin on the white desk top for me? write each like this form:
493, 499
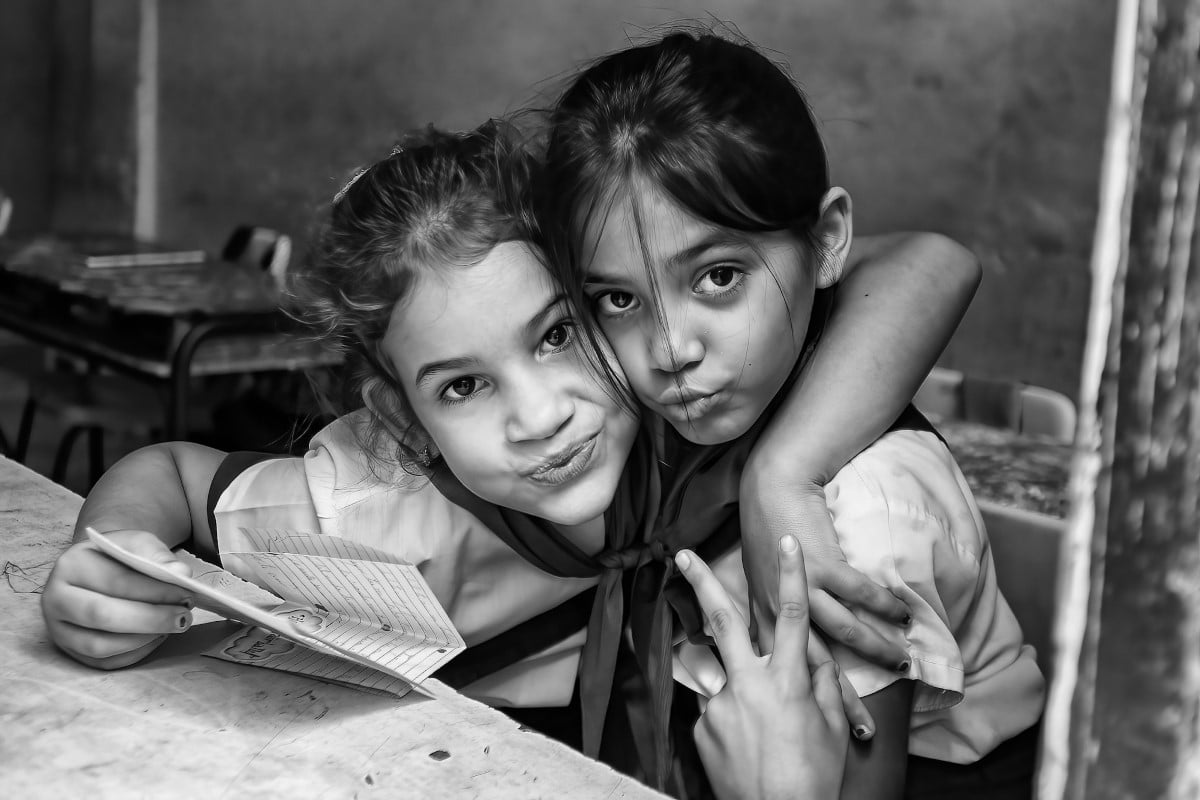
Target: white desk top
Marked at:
181, 725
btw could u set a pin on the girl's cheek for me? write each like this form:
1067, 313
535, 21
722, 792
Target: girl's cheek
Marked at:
630, 349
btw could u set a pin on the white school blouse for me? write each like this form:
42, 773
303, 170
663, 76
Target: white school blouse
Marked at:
484, 585
906, 518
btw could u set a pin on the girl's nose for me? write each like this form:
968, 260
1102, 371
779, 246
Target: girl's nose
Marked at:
674, 348
539, 410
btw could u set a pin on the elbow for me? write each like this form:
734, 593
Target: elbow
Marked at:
962, 266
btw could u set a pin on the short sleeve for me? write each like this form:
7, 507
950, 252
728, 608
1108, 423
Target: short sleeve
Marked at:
485, 587
906, 520
227, 472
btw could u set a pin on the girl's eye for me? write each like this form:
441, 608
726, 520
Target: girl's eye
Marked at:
719, 279
460, 388
613, 303
560, 335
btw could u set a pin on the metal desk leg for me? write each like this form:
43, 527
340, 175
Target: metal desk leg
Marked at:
178, 404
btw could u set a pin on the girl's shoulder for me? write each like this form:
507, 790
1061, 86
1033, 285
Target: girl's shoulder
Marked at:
910, 476
340, 453
341, 486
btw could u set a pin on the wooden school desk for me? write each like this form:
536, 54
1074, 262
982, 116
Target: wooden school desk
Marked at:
162, 324
182, 725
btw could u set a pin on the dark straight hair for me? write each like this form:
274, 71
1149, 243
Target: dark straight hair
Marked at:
713, 123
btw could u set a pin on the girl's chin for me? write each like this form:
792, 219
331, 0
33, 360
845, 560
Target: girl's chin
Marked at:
571, 518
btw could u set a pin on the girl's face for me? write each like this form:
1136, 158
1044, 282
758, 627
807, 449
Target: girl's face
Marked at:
734, 311
492, 365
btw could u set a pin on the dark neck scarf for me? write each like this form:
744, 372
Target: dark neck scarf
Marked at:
673, 495
627, 524
644, 528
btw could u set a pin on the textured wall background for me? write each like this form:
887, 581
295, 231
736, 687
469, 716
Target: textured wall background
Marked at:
983, 120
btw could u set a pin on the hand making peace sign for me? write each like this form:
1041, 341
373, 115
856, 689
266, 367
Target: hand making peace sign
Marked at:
774, 730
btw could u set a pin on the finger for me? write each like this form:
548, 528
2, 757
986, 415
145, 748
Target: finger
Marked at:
93, 570
855, 588
90, 610
762, 627
840, 625
108, 651
827, 691
792, 625
728, 628
852, 706
150, 547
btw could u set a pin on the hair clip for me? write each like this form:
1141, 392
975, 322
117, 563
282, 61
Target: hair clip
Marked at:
358, 173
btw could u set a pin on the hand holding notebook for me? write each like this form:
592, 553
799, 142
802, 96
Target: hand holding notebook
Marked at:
360, 615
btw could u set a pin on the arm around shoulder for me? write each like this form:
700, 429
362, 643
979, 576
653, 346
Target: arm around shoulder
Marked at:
900, 298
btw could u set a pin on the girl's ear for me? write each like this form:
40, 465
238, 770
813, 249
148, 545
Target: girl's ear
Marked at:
834, 229
381, 400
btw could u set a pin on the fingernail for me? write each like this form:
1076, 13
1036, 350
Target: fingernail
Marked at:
902, 667
682, 559
788, 543
862, 732
187, 603
184, 619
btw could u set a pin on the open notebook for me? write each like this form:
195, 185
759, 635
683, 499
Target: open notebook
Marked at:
317, 605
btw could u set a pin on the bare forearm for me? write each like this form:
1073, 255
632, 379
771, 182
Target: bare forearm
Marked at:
894, 314
900, 300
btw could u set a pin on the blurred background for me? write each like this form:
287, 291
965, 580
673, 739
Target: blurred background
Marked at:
173, 122
981, 120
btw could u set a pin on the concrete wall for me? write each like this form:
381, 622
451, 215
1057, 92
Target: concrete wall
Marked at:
26, 89
983, 120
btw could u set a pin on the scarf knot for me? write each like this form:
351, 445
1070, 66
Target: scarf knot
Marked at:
636, 556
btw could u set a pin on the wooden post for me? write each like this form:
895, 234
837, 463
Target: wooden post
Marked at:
1135, 708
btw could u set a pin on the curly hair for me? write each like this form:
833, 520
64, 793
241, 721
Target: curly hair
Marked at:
440, 200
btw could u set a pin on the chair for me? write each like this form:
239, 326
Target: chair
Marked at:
94, 402
6, 209
1026, 552
16, 356
1032, 410
264, 248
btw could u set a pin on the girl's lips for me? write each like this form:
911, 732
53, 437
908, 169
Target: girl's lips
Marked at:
691, 409
677, 396
562, 470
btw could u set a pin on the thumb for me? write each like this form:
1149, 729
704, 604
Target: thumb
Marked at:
151, 548
171, 562
827, 691
762, 628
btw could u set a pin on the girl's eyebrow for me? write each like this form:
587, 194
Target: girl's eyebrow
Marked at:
713, 240
596, 278
428, 371
538, 320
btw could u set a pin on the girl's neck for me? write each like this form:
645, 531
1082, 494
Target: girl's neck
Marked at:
587, 536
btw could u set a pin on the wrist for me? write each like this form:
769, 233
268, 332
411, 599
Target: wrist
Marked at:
767, 476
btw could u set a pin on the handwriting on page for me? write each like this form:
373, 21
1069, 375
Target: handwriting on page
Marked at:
364, 601
341, 612
264, 648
